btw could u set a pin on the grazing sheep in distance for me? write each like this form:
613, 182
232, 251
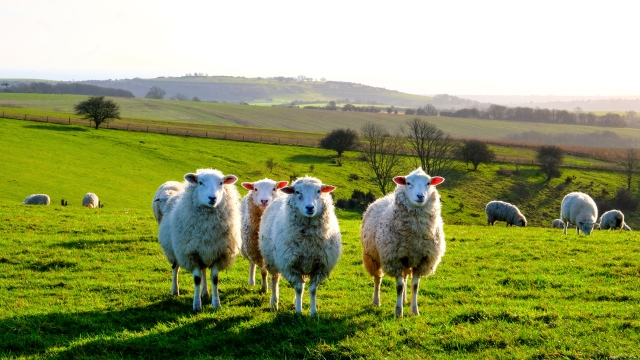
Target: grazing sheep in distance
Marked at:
90, 200
626, 227
202, 230
503, 211
558, 224
37, 199
261, 194
300, 238
612, 219
580, 210
162, 195
402, 234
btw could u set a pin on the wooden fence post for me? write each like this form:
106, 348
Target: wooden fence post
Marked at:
147, 128
127, 127
69, 120
206, 134
167, 130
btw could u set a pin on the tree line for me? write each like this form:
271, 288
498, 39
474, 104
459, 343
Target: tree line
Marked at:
553, 116
65, 88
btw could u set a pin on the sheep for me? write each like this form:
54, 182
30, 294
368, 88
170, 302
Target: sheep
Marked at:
300, 238
161, 197
612, 219
402, 234
626, 227
90, 200
503, 211
261, 193
580, 210
37, 199
202, 230
558, 224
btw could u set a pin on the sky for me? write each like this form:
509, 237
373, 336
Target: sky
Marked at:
421, 47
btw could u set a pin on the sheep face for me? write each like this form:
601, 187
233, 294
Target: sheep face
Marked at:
307, 196
418, 186
586, 226
264, 191
209, 190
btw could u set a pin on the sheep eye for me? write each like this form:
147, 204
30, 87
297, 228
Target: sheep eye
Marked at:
200, 182
297, 192
408, 183
274, 189
220, 182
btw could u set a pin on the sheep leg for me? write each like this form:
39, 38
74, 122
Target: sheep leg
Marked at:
404, 292
566, 225
252, 273
376, 290
215, 296
299, 288
264, 274
205, 288
275, 293
399, 290
313, 287
197, 281
415, 283
175, 268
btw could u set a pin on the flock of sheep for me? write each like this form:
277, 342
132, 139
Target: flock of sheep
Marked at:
89, 200
578, 210
292, 231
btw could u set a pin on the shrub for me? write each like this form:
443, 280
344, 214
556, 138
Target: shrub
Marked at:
505, 172
625, 200
354, 177
341, 203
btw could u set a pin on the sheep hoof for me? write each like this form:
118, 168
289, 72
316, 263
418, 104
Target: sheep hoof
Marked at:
398, 311
415, 311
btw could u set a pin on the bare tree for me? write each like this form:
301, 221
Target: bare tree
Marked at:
629, 165
180, 97
432, 147
98, 110
383, 154
155, 93
270, 164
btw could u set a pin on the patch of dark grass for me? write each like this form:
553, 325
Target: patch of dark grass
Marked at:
41, 266
57, 128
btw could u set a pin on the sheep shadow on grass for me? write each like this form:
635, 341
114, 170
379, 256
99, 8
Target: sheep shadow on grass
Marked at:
167, 329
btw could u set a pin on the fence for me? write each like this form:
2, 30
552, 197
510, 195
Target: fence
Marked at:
244, 134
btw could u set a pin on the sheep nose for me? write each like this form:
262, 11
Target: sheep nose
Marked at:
264, 202
212, 200
420, 198
309, 208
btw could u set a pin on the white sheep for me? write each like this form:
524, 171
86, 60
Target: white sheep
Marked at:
503, 211
202, 230
300, 238
612, 219
402, 234
165, 192
558, 224
580, 210
626, 227
37, 199
90, 200
261, 193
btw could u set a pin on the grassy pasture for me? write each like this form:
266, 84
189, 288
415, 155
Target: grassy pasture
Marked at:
86, 283
296, 119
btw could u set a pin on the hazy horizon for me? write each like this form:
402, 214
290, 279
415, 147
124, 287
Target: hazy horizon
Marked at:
497, 48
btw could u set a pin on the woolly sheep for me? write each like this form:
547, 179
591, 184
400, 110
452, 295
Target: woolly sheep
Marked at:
580, 210
626, 227
558, 224
261, 194
90, 200
37, 199
165, 192
402, 234
202, 230
612, 219
300, 238
503, 211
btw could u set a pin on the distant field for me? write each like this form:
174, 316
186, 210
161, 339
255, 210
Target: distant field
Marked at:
285, 118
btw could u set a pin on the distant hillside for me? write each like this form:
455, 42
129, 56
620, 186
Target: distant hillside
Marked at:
586, 103
72, 88
278, 90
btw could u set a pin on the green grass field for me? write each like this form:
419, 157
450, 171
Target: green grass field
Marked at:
297, 119
87, 283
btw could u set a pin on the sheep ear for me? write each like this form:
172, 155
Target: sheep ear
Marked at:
282, 184
247, 185
230, 179
400, 180
287, 190
436, 180
192, 178
327, 188
158, 199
